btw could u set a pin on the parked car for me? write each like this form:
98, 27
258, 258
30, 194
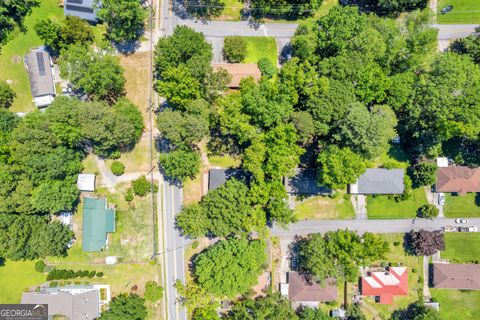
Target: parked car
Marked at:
468, 229
447, 9
461, 221
441, 199
449, 229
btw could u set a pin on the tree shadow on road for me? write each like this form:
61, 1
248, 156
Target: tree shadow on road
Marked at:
199, 10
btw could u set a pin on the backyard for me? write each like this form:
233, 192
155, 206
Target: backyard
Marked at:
261, 47
323, 207
463, 12
397, 256
462, 247
381, 207
462, 206
16, 277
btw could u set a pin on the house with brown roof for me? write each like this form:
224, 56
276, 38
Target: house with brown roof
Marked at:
455, 276
239, 71
458, 179
302, 292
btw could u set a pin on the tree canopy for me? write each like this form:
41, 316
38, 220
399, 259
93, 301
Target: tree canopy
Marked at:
423, 242
125, 306
7, 95
230, 267
271, 306
12, 15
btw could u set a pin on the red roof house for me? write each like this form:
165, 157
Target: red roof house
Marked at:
386, 284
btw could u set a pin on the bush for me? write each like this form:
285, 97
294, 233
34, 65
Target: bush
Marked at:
414, 270
424, 174
92, 274
141, 186
53, 284
48, 268
195, 244
396, 243
129, 195
427, 211
7, 95
267, 68
99, 274
40, 266
153, 292
234, 49
115, 155
117, 168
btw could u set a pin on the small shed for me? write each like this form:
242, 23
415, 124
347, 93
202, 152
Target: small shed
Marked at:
442, 162
39, 66
86, 182
111, 260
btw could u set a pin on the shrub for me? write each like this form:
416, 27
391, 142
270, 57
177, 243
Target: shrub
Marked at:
427, 211
267, 68
234, 49
129, 195
7, 95
195, 244
396, 243
115, 155
117, 168
424, 174
53, 284
92, 274
40, 266
99, 274
141, 186
153, 292
414, 270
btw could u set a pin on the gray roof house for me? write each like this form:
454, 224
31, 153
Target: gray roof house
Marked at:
39, 67
75, 305
379, 181
304, 182
80, 8
218, 177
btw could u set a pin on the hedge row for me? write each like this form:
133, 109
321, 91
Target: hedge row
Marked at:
61, 274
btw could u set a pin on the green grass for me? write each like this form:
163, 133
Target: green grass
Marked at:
394, 157
261, 47
397, 256
463, 12
462, 247
17, 277
231, 10
456, 304
462, 206
381, 207
322, 207
11, 56
325, 8
224, 161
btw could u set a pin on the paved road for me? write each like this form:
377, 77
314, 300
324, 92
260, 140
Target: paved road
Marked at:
454, 31
377, 226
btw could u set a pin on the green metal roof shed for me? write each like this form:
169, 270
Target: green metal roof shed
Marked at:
98, 220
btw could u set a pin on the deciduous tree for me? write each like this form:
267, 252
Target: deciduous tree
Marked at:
125, 306
6, 95
423, 242
124, 19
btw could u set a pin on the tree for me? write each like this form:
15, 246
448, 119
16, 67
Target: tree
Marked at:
423, 242
271, 306
6, 95
339, 254
55, 196
153, 292
230, 267
234, 49
339, 167
224, 211
469, 46
125, 306
424, 173
354, 312
397, 6
117, 168
40, 266
416, 311
182, 128
178, 86
205, 314
287, 8
12, 14
98, 75
307, 313
180, 164
124, 19
194, 297
141, 186
428, 211
303, 122
267, 68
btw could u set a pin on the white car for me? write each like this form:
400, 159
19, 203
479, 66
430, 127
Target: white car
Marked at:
441, 199
461, 221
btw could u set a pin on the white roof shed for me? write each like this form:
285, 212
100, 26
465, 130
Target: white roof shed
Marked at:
442, 162
86, 182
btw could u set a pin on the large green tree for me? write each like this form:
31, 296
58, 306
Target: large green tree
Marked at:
6, 95
230, 267
469, 46
125, 306
271, 306
12, 15
416, 311
180, 164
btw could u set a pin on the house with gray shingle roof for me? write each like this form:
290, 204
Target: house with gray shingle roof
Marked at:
84, 9
42, 84
379, 181
455, 276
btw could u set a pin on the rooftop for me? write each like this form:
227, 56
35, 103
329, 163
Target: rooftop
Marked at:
98, 220
86, 182
386, 284
305, 182
379, 181
458, 179
239, 71
300, 290
40, 73
218, 177
80, 8
456, 276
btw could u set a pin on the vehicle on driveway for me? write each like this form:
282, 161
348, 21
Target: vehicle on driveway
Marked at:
468, 229
441, 199
461, 220
447, 9
449, 229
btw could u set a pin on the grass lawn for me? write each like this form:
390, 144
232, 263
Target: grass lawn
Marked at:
231, 10
11, 56
462, 247
381, 207
16, 277
224, 161
325, 7
322, 207
261, 47
457, 304
463, 12
394, 157
462, 206
397, 256
192, 190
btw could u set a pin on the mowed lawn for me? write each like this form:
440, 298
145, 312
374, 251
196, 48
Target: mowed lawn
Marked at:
261, 47
463, 12
381, 207
462, 206
231, 11
11, 56
17, 277
457, 304
462, 247
323, 207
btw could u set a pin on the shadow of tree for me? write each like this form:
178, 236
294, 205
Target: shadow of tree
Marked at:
201, 10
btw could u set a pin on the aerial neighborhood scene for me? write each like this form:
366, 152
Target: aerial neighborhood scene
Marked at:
240, 159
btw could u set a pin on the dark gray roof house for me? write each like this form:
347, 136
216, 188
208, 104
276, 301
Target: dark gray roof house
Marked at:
379, 181
218, 177
81, 8
39, 67
304, 182
75, 306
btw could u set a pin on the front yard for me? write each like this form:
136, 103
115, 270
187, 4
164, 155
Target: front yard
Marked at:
463, 12
381, 207
323, 207
462, 206
462, 247
261, 47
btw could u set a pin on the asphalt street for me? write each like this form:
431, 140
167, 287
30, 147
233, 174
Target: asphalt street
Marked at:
376, 226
